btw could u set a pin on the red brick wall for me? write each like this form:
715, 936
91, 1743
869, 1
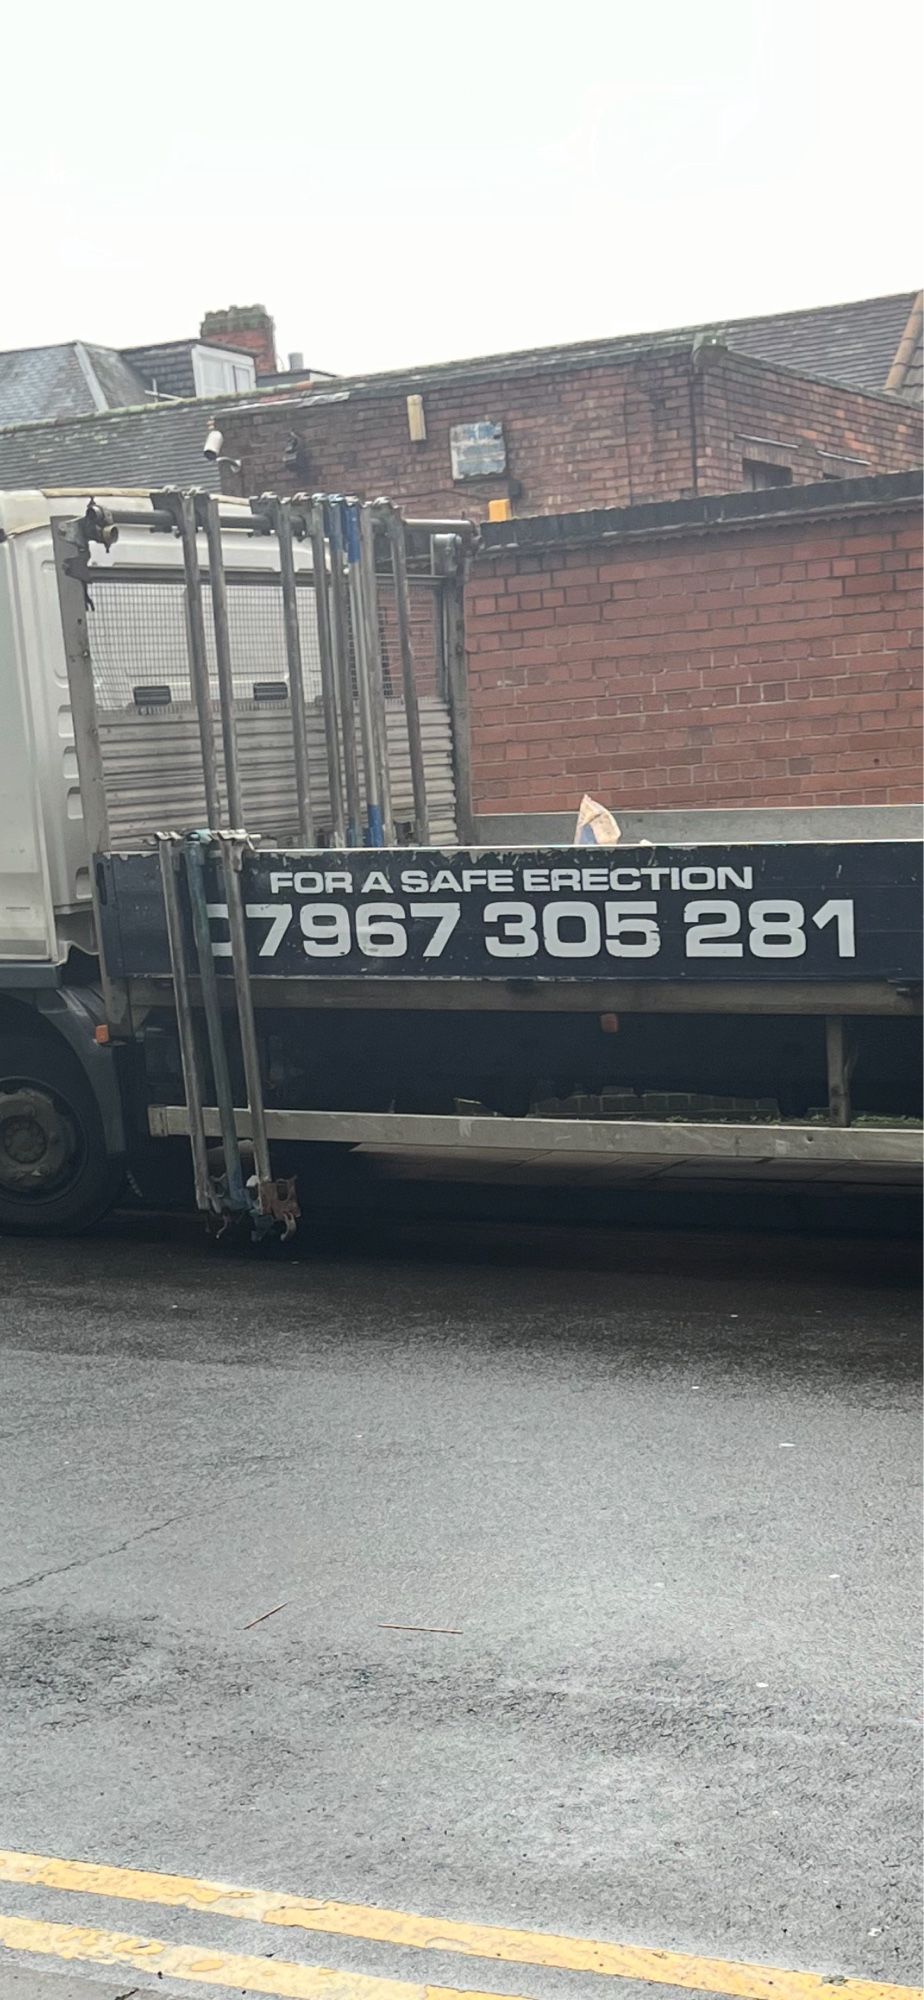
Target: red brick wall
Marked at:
769, 664
565, 435
599, 433
743, 407
247, 328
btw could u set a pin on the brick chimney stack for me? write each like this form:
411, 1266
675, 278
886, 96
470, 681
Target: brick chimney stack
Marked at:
247, 328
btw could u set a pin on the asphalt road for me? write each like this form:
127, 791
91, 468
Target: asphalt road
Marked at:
658, 1493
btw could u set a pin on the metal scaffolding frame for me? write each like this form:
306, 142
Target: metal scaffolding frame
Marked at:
351, 544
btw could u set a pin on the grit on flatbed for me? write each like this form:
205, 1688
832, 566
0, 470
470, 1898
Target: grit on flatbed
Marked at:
559, 1580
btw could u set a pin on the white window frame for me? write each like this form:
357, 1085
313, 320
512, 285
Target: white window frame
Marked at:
236, 371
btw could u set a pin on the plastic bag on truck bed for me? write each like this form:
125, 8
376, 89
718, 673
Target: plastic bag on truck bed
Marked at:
595, 826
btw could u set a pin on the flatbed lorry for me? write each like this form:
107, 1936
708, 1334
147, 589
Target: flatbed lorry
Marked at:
247, 912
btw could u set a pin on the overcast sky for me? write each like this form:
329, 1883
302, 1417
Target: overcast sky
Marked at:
411, 182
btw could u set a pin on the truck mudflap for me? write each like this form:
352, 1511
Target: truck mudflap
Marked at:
828, 912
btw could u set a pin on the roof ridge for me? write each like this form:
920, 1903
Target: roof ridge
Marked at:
43, 347
90, 377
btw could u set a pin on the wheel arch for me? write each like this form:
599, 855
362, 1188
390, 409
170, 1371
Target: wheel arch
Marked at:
71, 1016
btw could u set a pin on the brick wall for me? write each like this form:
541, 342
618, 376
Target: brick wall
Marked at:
245, 328
816, 429
772, 661
594, 433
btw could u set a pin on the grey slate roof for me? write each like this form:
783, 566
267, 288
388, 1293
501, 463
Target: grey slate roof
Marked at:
158, 446
120, 382
854, 344
72, 379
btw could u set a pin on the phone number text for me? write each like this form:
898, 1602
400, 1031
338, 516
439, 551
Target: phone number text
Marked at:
564, 927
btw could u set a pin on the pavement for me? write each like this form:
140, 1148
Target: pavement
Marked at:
561, 1582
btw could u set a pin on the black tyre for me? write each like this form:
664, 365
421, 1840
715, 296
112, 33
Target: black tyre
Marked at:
56, 1176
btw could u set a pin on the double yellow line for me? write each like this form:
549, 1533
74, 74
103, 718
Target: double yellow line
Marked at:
295, 1981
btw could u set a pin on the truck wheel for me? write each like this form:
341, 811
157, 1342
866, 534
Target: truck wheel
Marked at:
56, 1176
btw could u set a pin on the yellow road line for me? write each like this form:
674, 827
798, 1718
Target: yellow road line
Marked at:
218, 1968
400, 1927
